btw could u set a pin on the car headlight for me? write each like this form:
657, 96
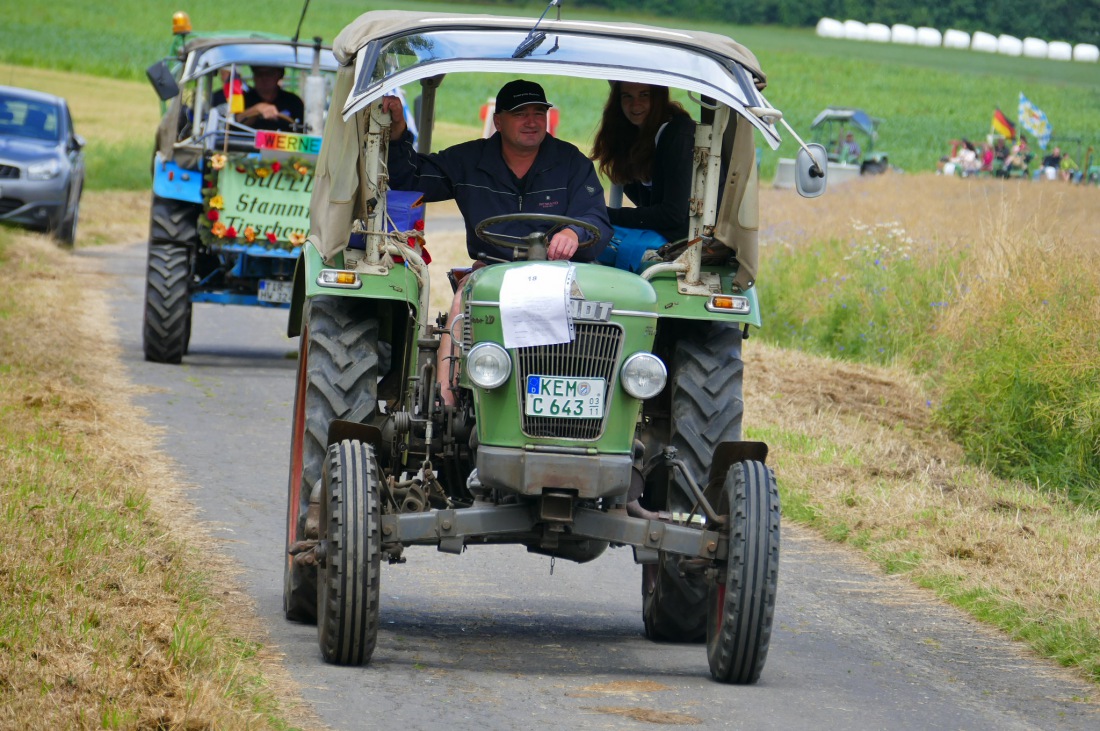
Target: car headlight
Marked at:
45, 170
643, 375
488, 365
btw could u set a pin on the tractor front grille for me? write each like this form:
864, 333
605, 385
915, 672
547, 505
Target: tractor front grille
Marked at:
594, 353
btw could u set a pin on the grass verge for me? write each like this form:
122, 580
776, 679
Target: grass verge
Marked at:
947, 327
107, 614
860, 461
994, 300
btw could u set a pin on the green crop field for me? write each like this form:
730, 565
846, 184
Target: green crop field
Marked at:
927, 96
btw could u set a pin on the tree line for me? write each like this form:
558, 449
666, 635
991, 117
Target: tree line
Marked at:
1074, 21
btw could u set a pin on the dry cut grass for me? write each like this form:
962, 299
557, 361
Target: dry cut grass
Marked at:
857, 448
108, 615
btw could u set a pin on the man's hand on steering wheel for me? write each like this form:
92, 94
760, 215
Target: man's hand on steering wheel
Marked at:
563, 245
559, 241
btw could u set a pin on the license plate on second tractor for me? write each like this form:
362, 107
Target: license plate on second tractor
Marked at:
273, 290
564, 398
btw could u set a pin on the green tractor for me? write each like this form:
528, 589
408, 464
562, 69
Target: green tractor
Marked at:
626, 433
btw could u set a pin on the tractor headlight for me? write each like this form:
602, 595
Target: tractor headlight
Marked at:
643, 375
488, 365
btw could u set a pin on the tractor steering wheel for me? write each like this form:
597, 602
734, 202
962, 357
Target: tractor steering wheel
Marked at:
536, 242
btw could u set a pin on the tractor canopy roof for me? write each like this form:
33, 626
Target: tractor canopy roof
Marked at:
856, 118
209, 53
392, 48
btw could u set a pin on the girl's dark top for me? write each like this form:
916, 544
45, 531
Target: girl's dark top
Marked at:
663, 205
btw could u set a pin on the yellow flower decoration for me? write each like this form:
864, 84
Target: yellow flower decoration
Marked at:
302, 169
217, 202
218, 230
249, 234
297, 238
262, 172
218, 161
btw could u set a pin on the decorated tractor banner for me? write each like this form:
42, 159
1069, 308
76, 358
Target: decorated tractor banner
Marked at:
253, 200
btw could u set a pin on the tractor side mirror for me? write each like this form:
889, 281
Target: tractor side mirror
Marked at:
809, 170
162, 80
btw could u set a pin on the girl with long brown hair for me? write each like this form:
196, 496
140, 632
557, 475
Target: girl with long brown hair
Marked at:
644, 144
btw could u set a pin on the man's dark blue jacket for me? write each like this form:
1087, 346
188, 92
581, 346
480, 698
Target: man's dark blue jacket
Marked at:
561, 181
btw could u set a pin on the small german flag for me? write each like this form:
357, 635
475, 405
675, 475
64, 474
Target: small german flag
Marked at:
234, 92
1002, 126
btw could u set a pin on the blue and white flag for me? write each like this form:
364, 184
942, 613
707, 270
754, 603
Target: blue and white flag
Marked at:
1034, 121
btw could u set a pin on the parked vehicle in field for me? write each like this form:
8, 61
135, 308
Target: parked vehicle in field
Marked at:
626, 433
41, 163
835, 129
230, 203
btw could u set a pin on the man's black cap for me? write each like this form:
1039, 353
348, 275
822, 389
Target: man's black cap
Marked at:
520, 93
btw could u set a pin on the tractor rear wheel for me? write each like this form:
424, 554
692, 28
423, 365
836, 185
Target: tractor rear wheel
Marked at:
706, 410
338, 367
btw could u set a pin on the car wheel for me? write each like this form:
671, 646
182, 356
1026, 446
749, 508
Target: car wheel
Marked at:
66, 230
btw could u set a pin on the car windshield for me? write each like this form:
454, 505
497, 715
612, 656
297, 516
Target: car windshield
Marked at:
29, 118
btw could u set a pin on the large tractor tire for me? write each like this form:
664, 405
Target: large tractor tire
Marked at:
351, 547
173, 243
338, 368
741, 601
706, 409
167, 327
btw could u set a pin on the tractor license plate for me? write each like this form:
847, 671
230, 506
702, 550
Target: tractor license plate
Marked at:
272, 290
590, 310
564, 398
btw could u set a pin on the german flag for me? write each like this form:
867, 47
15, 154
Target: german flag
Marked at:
1002, 126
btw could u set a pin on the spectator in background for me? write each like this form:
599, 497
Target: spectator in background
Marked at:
1000, 154
1052, 164
988, 156
1068, 170
969, 162
1018, 159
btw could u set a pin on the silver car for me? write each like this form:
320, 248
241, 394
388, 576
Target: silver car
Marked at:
41, 163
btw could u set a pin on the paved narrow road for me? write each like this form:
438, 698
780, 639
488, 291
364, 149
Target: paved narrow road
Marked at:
494, 639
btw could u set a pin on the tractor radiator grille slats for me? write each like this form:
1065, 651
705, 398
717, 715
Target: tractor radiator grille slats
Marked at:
593, 353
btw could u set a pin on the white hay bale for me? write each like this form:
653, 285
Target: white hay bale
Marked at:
878, 33
1009, 45
984, 42
901, 33
929, 37
956, 39
1035, 48
854, 30
1059, 51
1086, 52
830, 28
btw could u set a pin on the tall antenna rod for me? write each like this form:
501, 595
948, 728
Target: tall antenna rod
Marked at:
298, 31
